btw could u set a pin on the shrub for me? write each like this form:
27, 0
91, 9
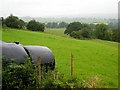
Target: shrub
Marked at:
86, 33
101, 30
75, 26
14, 22
35, 26
17, 76
26, 76
81, 34
76, 34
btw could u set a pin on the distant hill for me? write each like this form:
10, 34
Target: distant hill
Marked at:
69, 20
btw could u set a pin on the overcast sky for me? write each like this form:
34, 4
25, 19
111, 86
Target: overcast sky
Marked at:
47, 8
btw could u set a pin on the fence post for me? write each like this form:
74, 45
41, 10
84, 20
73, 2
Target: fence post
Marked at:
72, 65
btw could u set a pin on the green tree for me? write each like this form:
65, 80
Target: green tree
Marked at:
52, 25
101, 31
108, 35
35, 26
86, 26
86, 33
81, 34
92, 26
21, 24
75, 26
115, 35
63, 25
76, 34
17, 75
49, 25
14, 22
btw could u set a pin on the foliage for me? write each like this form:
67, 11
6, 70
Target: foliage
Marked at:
14, 22
26, 76
63, 25
52, 25
101, 31
75, 26
78, 30
88, 31
116, 35
92, 26
81, 34
87, 26
76, 34
56, 25
21, 24
35, 26
113, 25
17, 76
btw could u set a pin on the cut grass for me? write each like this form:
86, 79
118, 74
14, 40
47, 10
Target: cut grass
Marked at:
91, 57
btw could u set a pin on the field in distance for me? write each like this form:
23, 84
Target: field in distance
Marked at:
91, 57
56, 31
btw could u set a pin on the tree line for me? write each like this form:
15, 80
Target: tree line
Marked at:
56, 25
92, 31
75, 29
14, 22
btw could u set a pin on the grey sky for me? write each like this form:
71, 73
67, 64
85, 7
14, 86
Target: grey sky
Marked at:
43, 8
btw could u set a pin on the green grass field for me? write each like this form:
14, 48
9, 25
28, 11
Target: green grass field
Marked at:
91, 57
56, 31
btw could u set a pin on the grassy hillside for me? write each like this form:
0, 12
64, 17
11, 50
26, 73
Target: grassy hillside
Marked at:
56, 31
91, 57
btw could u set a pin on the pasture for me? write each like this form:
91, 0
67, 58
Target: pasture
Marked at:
56, 31
91, 57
